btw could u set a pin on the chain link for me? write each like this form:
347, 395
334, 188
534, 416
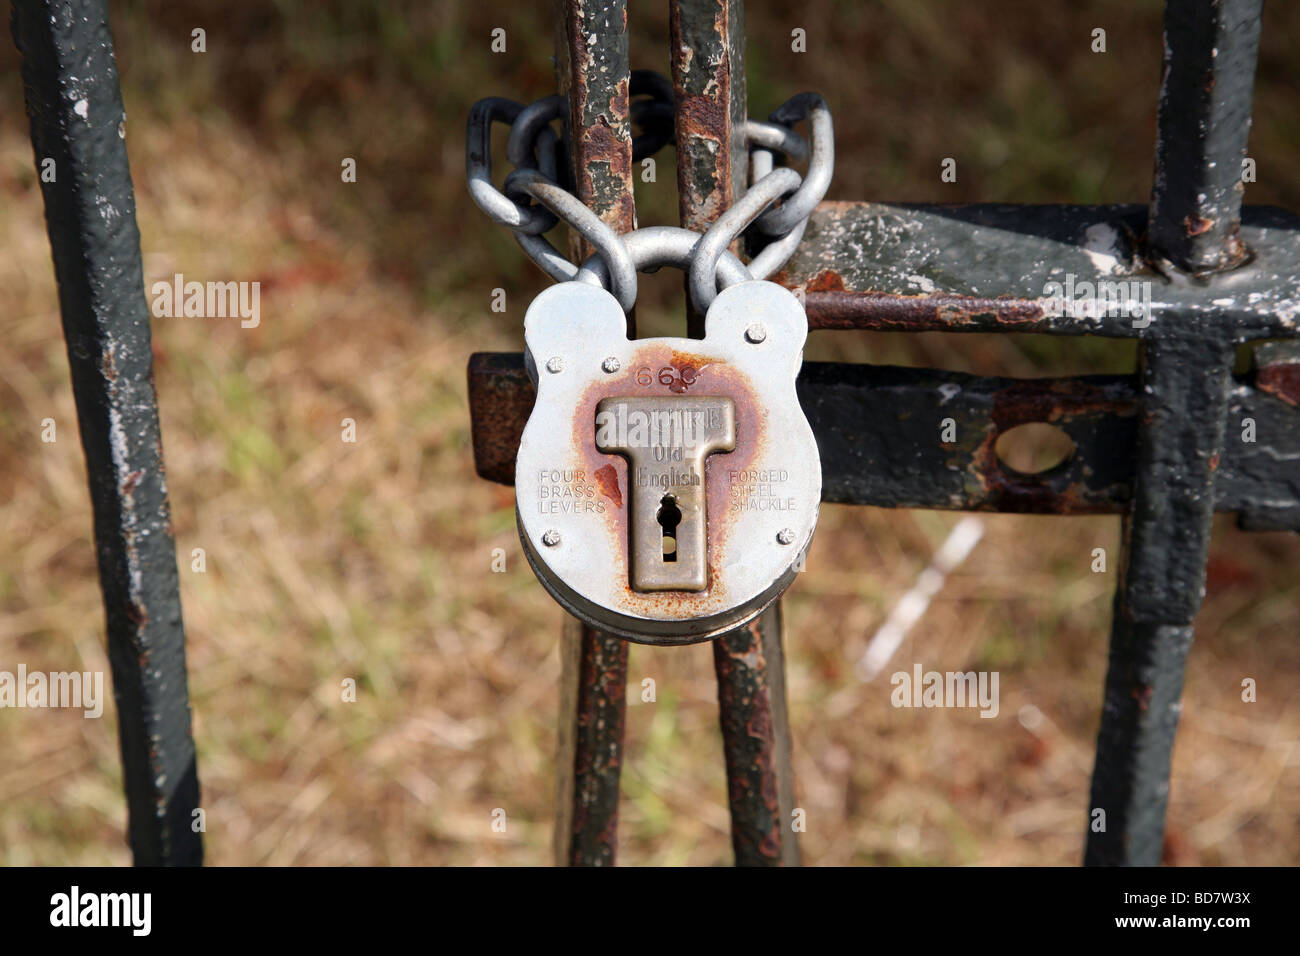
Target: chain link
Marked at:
622, 272
533, 202
654, 116
499, 207
821, 165
527, 148
727, 227
653, 246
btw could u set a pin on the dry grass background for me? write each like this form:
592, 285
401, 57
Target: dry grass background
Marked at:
328, 560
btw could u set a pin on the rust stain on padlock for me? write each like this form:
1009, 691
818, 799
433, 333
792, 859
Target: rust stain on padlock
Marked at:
607, 482
704, 375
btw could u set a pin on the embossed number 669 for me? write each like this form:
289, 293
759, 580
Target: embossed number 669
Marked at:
677, 380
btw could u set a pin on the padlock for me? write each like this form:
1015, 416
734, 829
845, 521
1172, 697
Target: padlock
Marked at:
666, 489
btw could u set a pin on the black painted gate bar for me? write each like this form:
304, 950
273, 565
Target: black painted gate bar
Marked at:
1204, 118
77, 120
864, 418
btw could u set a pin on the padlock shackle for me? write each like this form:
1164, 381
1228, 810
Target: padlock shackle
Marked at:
656, 246
728, 227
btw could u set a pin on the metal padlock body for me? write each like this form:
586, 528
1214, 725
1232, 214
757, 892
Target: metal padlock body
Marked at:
572, 499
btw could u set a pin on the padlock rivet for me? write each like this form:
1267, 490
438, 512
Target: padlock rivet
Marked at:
755, 334
785, 536
611, 365
551, 538
555, 364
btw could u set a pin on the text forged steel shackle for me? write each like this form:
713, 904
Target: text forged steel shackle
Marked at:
666, 488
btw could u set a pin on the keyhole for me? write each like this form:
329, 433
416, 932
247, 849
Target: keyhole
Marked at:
669, 517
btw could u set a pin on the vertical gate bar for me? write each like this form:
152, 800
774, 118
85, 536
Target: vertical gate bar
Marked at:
756, 741
1211, 47
75, 107
593, 71
772, 630
1185, 382
708, 67
593, 705
1204, 122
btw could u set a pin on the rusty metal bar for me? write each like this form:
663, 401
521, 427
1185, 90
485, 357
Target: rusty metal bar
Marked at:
593, 71
1185, 388
984, 268
708, 74
1204, 122
750, 663
873, 452
77, 119
771, 628
593, 708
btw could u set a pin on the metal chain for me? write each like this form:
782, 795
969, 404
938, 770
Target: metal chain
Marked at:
622, 273
533, 202
653, 246
821, 165
727, 227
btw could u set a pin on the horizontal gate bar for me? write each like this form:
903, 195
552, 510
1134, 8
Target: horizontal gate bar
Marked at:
879, 429
986, 268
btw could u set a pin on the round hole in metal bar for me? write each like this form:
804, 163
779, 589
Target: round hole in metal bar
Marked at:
1033, 448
